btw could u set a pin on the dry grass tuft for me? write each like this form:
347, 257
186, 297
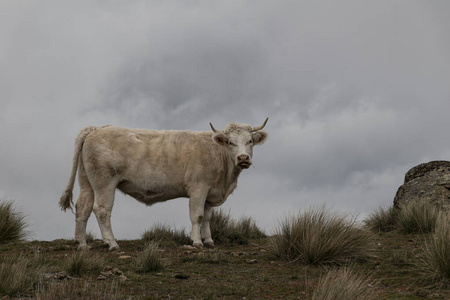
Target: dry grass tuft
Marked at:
75, 289
149, 260
18, 276
417, 216
12, 223
435, 263
225, 230
166, 236
382, 220
81, 262
318, 236
343, 284
90, 237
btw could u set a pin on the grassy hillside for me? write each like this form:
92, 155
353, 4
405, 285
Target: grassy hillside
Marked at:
228, 272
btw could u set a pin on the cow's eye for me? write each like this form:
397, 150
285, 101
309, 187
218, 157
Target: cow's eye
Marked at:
231, 143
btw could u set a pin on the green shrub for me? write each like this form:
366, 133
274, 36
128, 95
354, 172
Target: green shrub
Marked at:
12, 223
164, 235
318, 236
343, 284
149, 260
225, 230
382, 220
18, 276
417, 216
82, 262
435, 262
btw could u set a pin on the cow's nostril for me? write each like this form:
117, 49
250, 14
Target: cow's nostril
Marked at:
243, 157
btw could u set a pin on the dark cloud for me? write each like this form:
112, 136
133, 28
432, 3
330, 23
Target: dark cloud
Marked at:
356, 91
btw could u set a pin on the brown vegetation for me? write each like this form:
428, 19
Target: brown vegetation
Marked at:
396, 266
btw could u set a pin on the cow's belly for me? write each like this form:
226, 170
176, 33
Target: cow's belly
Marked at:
152, 194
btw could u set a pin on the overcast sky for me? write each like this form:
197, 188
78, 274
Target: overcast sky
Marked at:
357, 92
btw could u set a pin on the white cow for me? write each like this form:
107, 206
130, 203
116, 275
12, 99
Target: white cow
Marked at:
154, 166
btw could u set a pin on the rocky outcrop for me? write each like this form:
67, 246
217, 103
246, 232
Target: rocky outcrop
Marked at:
429, 181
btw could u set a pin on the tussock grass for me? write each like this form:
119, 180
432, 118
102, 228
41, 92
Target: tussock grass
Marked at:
318, 236
435, 262
343, 284
12, 223
398, 258
382, 220
166, 236
221, 226
90, 237
248, 228
81, 262
417, 216
76, 289
149, 260
18, 276
225, 230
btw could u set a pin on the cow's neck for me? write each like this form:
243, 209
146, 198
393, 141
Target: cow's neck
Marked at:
231, 177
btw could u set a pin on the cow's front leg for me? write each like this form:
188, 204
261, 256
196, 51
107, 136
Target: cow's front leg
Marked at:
196, 212
206, 230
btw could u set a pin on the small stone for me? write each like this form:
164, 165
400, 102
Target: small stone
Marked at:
116, 271
102, 277
123, 278
107, 268
188, 247
60, 276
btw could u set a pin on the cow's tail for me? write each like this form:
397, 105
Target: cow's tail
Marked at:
66, 199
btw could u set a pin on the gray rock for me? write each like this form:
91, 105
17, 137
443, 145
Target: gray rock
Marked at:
430, 181
110, 272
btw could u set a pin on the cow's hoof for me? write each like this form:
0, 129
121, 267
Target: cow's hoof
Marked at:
209, 244
114, 248
83, 248
198, 245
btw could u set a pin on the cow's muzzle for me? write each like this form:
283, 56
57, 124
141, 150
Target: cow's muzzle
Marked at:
244, 161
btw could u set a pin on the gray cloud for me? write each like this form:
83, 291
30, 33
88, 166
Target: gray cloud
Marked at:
357, 93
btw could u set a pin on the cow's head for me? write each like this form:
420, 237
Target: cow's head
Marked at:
239, 139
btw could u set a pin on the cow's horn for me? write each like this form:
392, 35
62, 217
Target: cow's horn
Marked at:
260, 127
212, 127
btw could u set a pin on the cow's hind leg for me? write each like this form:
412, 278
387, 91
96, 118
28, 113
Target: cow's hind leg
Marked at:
206, 230
83, 208
103, 204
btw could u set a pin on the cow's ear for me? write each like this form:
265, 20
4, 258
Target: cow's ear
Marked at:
259, 137
220, 139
